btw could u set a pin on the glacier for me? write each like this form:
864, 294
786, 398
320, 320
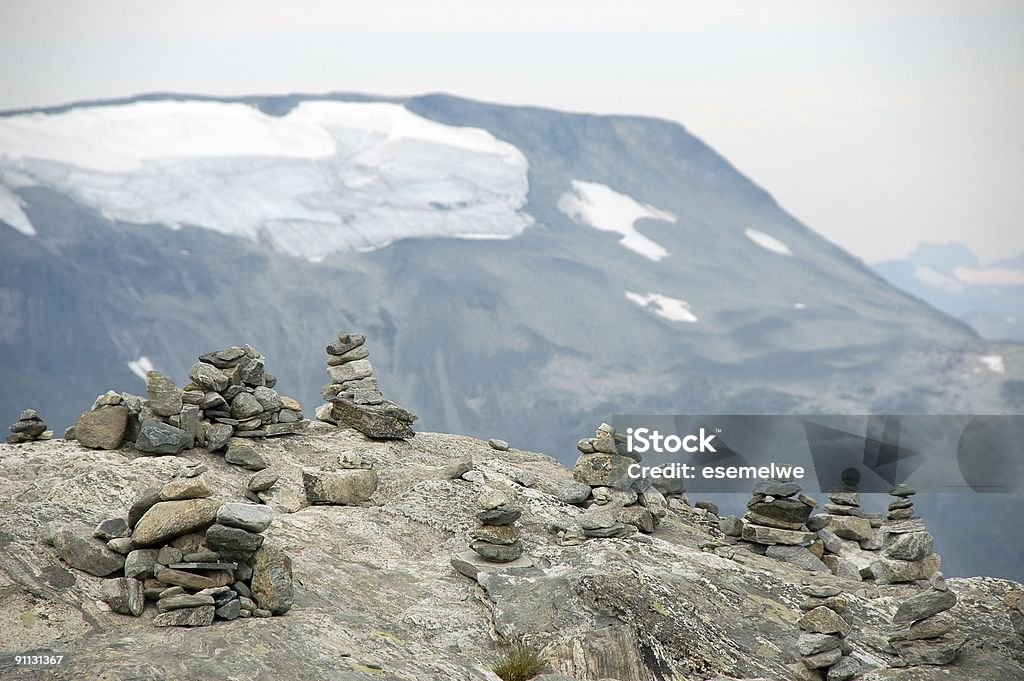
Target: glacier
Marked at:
326, 177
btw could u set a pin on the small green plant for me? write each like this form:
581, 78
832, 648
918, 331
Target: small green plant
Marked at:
520, 662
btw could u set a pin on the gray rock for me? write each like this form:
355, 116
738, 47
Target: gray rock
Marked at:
79, 549
618, 530
168, 603
823, 621
731, 526
711, 507
911, 546
125, 596
263, 480
190, 580
232, 540
223, 359
201, 557
252, 370
797, 555
217, 435
189, 422
268, 398
169, 555
350, 371
496, 534
156, 437
501, 515
139, 563
169, 519
637, 516
122, 545
345, 487
930, 627
245, 455
597, 517
844, 497
208, 377
935, 651
346, 342
774, 535
812, 644
849, 527
822, 660
384, 421
164, 398
527, 478
777, 488
497, 553
103, 428
352, 355
497, 444
925, 604
786, 514
903, 490
112, 528
889, 571
458, 467
272, 586
818, 522
472, 565
572, 492
245, 405
229, 611
186, 617
249, 517
143, 503
844, 670
604, 470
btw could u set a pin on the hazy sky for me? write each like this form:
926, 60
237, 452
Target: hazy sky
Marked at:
878, 124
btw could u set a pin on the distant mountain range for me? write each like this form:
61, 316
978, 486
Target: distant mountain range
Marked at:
519, 272
950, 277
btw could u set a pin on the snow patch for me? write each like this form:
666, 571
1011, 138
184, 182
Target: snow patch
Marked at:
990, 276
141, 366
937, 279
603, 208
799, 306
767, 242
12, 214
994, 363
327, 177
673, 309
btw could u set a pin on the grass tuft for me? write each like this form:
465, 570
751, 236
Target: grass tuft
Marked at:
520, 662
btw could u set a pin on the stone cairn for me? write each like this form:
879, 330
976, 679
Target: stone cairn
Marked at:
230, 396
824, 651
907, 547
354, 398
496, 539
29, 428
197, 558
617, 504
775, 524
923, 633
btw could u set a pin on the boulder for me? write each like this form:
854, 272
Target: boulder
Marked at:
124, 595
925, 604
232, 540
186, 488
345, 487
851, 527
169, 519
272, 586
248, 517
103, 428
79, 549
156, 437
164, 398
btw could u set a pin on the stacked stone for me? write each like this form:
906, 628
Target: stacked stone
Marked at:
850, 535
776, 519
618, 504
496, 539
924, 634
355, 400
230, 395
907, 547
29, 428
197, 558
824, 652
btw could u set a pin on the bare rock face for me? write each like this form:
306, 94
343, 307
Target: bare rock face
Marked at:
395, 584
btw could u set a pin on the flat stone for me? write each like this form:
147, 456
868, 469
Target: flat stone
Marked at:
889, 571
786, 514
818, 522
618, 530
496, 534
822, 660
263, 480
500, 515
186, 488
272, 586
823, 621
900, 514
847, 668
164, 398
203, 565
112, 528
903, 491
79, 549
156, 437
168, 603
350, 371
249, 517
232, 539
497, 444
139, 563
200, 557
777, 488
193, 581
900, 503
497, 553
186, 617
172, 591
905, 526
844, 497
244, 454
812, 644
169, 519
384, 421
345, 487
838, 603
125, 596
103, 428
352, 355
925, 604
774, 535
223, 359
229, 611
472, 565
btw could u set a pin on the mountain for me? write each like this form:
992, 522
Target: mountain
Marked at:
518, 270
376, 595
950, 278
